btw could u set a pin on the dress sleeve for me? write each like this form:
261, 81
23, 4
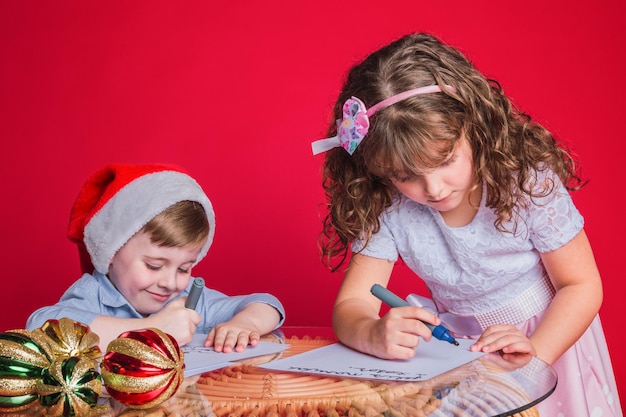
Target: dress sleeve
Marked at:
553, 220
382, 245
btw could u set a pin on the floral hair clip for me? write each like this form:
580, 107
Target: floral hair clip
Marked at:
355, 122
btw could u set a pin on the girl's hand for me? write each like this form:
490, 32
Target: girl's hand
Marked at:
176, 320
398, 332
512, 362
507, 339
232, 335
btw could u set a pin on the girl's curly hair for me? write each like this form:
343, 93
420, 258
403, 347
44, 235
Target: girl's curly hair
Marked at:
419, 133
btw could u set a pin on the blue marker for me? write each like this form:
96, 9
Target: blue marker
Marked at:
392, 300
194, 293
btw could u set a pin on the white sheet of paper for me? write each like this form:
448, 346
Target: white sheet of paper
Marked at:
199, 359
431, 359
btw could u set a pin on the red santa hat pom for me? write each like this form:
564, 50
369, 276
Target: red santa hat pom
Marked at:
119, 199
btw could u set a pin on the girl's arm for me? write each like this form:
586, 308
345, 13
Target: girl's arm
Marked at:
575, 276
356, 319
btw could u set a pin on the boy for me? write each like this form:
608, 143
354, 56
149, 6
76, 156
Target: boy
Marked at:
140, 229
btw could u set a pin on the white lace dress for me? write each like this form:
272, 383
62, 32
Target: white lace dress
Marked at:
486, 276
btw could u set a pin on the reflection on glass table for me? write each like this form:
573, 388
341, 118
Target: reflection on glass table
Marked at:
485, 387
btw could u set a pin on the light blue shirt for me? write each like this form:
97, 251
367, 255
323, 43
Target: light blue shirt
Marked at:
94, 295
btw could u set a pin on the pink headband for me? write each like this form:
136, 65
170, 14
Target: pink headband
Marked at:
355, 123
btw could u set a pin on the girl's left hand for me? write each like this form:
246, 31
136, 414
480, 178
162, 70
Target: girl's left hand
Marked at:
505, 338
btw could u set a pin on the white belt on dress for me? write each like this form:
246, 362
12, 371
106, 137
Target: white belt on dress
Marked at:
528, 304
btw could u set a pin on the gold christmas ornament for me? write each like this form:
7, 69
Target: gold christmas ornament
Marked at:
70, 387
143, 368
23, 357
67, 337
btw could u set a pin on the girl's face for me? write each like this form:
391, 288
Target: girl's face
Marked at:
148, 275
446, 187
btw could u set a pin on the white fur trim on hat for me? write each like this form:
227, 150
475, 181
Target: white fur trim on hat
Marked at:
133, 206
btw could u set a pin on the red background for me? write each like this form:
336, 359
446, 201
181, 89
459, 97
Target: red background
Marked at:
236, 91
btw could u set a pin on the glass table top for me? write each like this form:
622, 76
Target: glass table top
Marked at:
485, 387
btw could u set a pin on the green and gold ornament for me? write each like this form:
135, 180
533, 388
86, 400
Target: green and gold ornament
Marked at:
23, 357
70, 387
55, 364
143, 368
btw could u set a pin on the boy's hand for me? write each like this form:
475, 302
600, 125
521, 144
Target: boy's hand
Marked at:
232, 335
176, 320
243, 329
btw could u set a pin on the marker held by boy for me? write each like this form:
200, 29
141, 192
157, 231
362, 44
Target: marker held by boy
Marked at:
194, 293
392, 300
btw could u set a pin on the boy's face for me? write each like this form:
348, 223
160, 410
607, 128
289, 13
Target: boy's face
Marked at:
148, 275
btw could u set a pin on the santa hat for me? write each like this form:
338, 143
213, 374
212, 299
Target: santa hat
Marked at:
119, 199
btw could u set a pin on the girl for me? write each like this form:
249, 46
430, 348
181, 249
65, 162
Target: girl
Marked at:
443, 171
140, 229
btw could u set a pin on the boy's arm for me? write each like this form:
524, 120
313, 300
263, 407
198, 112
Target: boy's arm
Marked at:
80, 303
174, 319
216, 307
83, 302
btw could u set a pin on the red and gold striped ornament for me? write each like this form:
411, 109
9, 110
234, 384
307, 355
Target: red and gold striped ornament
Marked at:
23, 357
67, 338
70, 386
143, 368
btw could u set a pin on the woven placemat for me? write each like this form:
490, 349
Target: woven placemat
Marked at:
244, 390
